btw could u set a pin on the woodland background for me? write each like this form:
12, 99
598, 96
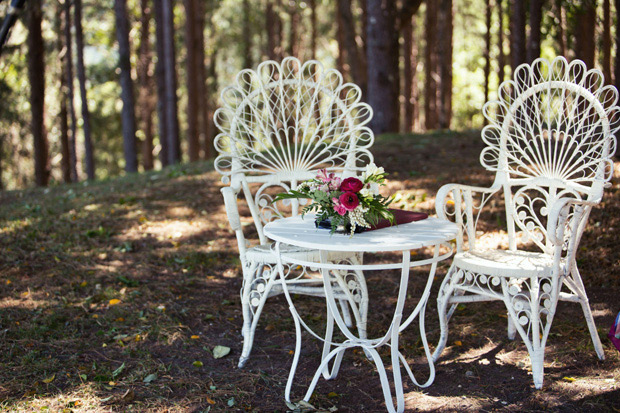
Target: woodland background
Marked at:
89, 89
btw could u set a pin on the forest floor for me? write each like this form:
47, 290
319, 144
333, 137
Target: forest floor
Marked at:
114, 294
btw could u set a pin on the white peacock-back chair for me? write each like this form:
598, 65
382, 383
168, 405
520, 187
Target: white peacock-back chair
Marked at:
549, 141
280, 124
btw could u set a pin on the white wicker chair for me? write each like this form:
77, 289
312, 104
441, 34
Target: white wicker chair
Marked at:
549, 140
279, 125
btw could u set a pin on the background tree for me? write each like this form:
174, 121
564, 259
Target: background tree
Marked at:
89, 160
65, 162
431, 120
382, 60
585, 36
127, 114
354, 54
501, 56
444, 60
518, 53
70, 93
533, 44
36, 76
607, 40
145, 85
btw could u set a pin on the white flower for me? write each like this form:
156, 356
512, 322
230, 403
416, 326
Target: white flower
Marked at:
372, 169
374, 188
365, 192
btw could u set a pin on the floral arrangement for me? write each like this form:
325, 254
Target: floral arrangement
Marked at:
350, 203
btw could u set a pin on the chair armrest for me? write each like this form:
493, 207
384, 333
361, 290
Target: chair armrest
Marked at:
559, 218
463, 199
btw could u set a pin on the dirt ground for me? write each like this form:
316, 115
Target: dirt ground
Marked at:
114, 294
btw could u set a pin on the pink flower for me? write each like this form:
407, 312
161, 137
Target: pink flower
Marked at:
351, 185
325, 177
338, 207
334, 185
349, 201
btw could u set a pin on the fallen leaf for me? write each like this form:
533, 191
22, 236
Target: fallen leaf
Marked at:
220, 351
197, 363
332, 394
569, 379
210, 400
83, 284
151, 377
118, 371
195, 337
49, 379
114, 301
458, 343
231, 402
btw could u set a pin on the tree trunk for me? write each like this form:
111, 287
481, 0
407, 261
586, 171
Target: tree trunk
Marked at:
364, 25
36, 77
446, 29
487, 52
270, 24
293, 40
247, 34
192, 75
160, 75
128, 120
167, 81
409, 61
585, 20
561, 16
65, 160
313, 29
501, 57
204, 132
533, 45
382, 58
607, 41
70, 93
518, 53
431, 120
617, 65
81, 73
354, 54
145, 83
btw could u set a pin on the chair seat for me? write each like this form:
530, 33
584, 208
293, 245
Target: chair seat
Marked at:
505, 263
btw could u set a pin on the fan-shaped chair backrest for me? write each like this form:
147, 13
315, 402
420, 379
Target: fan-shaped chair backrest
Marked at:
550, 136
283, 122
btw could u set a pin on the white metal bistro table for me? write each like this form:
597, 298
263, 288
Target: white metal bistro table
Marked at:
301, 232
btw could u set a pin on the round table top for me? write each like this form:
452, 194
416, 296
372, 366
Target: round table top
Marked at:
301, 232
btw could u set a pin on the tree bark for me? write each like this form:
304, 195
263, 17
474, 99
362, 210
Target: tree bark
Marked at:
204, 132
313, 29
355, 60
145, 84
487, 51
81, 73
617, 63
607, 41
70, 93
431, 120
128, 119
533, 45
160, 72
518, 53
36, 77
340, 60
501, 57
65, 161
382, 58
270, 24
409, 61
293, 40
192, 75
585, 21
247, 35
446, 28
165, 24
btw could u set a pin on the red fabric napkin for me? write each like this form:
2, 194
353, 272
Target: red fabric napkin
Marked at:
400, 217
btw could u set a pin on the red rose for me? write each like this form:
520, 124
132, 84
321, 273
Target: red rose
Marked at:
351, 185
349, 200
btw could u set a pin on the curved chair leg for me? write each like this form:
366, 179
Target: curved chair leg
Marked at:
443, 300
512, 328
250, 318
587, 313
